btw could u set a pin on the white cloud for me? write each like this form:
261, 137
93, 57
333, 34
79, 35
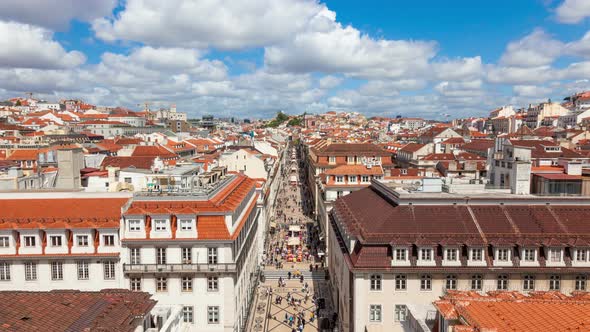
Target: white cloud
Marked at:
580, 47
27, 46
519, 75
532, 91
54, 14
573, 11
213, 23
329, 82
534, 50
327, 46
458, 69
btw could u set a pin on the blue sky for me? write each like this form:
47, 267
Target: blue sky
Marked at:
253, 58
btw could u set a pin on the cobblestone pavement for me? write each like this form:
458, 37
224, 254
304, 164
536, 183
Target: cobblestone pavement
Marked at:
268, 313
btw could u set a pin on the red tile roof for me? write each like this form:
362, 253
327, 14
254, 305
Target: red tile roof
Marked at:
24, 155
126, 162
68, 310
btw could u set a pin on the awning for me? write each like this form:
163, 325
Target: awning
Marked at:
294, 241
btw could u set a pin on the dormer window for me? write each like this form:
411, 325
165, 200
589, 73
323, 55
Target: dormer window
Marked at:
332, 159
339, 179
4, 242
160, 225
134, 225
477, 254
186, 225
365, 178
350, 159
352, 178
426, 254
529, 255
581, 255
451, 254
503, 255
555, 255
30, 241
401, 254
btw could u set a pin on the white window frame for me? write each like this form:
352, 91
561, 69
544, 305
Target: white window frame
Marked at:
212, 284
188, 314
454, 255
502, 281
426, 282
339, 179
375, 313
134, 225
375, 282
186, 225
581, 255
332, 159
161, 284
426, 254
213, 314
581, 282
527, 252
83, 269
555, 255
554, 282
57, 270
4, 271
30, 241
352, 179
528, 282
161, 258
108, 240
160, 225
476, 282
365, 179
187, 255
451, 281
501, 252
401, 282
55, 240
212, 256
186, 284
400, 313
135, 255
401, 254
82, 240
477, 254
135, 284
109, 270
4, 242
30, 271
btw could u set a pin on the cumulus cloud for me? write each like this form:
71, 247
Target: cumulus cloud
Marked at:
573, 11
534, 50
458, 69
27, 46
214, 23
329, 82
327, 46
532, 91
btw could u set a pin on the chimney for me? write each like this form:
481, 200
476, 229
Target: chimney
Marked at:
69, 163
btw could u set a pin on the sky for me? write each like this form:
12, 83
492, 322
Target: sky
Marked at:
250, 59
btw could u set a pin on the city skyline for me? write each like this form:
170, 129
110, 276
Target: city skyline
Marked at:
253, 59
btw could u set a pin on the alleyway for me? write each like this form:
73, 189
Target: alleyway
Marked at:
294, 292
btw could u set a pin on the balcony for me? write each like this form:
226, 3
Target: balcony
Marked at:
179, 268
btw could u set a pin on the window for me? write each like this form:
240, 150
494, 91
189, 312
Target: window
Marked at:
213, 315
503, 255
425, 282
555, 255
187, 256
332, 160
55, 240
82, 240
109, 240
30, 241
212, 284
352, 178
160, 225
451, 254
4, 271
211, 255
187, 314
476, 282
554, 282
528, 283
135, 255
365, 178
127, 180
350, 159
581, 255
581, 283
400, 282
186, 225
339, 179
187, 284
502, 282
57, 270
401, 311
477, 255
136, 284
375, 313
529, 255
134, 225
30, 271
109, 270
4, 242
83, 273
160, 255
451, 282
375, 282
400, 254
426, 254
161, 284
